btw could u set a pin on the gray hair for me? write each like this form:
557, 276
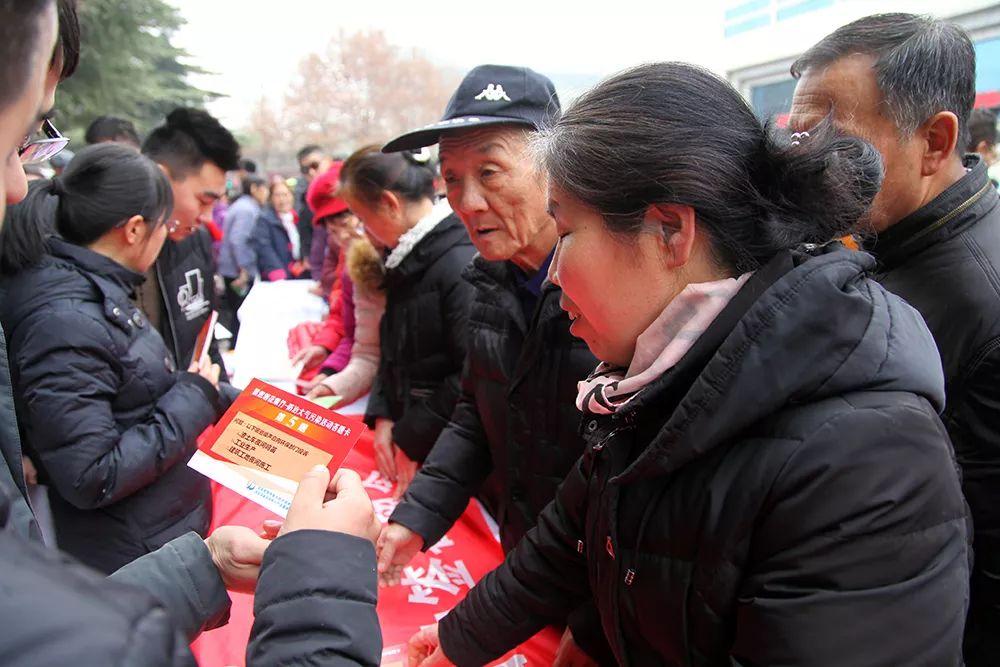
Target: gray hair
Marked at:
676, 133
922, 65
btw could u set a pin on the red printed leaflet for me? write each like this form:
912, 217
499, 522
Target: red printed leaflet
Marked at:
268, 440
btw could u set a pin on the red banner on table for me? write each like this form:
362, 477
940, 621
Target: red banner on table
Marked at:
433, 584
268, 440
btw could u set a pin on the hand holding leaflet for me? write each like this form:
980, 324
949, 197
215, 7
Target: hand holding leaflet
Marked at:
269, 440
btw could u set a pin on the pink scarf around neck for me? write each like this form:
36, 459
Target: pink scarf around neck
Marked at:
659, 347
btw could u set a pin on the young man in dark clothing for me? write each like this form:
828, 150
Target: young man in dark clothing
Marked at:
179, 294
906, 83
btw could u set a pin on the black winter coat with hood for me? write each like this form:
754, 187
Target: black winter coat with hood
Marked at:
423, 338
103, 410
785, 495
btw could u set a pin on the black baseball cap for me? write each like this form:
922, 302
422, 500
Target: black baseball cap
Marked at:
489, 95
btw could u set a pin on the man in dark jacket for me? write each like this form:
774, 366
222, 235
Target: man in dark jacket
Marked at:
515, 424
907, 84
313, 161
179, 294
55, 612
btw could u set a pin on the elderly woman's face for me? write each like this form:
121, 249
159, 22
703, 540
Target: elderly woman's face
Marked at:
281, 197
613, 287
493, 187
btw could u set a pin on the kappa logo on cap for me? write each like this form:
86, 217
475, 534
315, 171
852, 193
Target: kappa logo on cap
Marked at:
494, 93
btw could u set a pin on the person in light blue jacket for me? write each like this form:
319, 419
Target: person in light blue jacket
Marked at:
237, 255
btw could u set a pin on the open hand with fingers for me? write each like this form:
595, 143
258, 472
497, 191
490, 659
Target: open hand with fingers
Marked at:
424, 649
310, 357
396, 547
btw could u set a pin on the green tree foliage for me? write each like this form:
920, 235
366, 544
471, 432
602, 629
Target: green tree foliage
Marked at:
128, 67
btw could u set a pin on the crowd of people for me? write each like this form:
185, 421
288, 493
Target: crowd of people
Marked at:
731, 391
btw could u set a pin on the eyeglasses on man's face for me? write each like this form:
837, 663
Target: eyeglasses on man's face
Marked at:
33, 151
308, 167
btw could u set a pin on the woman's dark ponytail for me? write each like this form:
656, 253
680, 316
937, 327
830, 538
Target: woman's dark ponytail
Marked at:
368, 172
815, 185
677, 133
104, 186
56, 187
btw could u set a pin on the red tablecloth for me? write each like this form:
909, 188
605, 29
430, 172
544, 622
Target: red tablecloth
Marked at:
436, 582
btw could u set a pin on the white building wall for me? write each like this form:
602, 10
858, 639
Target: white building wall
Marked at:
764, 54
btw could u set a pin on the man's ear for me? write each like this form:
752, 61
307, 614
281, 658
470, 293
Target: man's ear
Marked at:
134, 230
170, 176
677, 226
940, 134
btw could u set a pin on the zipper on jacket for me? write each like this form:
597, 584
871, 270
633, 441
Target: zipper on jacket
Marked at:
615, 582
950, 216
169, 314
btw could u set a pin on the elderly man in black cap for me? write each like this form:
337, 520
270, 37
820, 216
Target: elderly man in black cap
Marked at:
514, 433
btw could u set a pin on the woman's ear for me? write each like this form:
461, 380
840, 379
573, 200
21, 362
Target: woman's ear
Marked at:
134, 229
390, 204
676, 224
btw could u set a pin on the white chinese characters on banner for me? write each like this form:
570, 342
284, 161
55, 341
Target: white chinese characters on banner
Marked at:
436, 577
515, 661
441, 545
377, 482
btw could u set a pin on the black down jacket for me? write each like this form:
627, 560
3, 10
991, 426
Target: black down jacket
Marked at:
423, 335
514, 433
785, 495
103, 411
516, 417
944, 259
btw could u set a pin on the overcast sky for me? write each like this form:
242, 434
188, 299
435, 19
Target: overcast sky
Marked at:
254, 46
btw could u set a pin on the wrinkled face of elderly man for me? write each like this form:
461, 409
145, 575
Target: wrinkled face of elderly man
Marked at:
494, 187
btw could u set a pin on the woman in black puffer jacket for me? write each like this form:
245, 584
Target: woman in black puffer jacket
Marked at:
766, 480
423, 330
108, 420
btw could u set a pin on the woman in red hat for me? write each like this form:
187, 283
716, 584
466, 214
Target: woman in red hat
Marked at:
327, 209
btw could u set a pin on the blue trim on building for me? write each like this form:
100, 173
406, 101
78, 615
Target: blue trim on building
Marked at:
752, 24
746, 8
988, 65
803, 7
